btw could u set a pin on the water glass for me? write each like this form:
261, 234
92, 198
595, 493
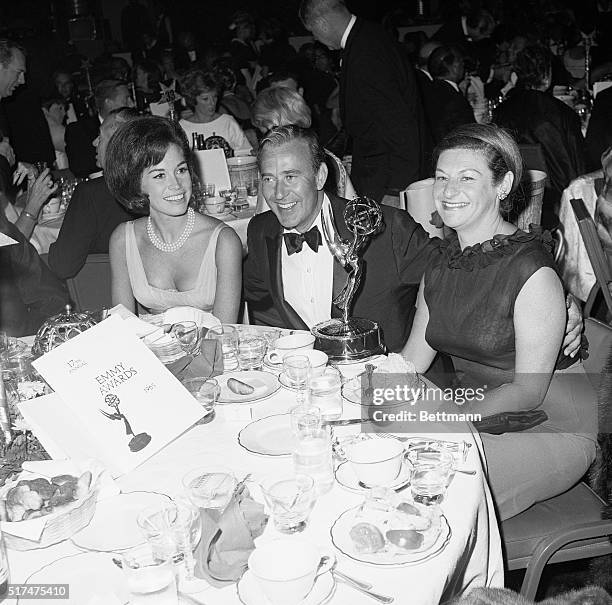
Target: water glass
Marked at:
251, 352
312, 456
431, 471
187, 335
149, 576
290, 499
297, 370
206, 392
325, 393
210, 488
305, 417
209, 189
228, 337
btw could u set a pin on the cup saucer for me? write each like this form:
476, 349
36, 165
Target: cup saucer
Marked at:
285, 382
346, 477
250, 593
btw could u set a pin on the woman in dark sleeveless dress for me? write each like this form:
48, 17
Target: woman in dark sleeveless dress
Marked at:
493, 301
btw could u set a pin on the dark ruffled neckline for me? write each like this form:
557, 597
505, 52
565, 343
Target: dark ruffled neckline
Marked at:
490, 251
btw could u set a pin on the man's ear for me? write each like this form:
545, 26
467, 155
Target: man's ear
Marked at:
321, 175
301, 91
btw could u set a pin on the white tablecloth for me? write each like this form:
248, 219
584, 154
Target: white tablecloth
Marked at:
471, 558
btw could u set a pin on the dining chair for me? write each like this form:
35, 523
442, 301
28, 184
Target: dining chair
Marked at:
533, 184
595, 251
90, 288
567, 527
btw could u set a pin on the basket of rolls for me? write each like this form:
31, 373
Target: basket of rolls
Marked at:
37, 511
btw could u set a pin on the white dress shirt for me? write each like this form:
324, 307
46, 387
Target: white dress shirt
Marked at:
308, 277
347, 31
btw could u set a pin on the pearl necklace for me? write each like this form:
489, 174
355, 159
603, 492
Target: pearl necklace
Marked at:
172, 246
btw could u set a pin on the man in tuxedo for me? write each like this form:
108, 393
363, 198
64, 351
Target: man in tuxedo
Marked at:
110, 94
445, 103
93, 213
290, 277
294, 289
380, 104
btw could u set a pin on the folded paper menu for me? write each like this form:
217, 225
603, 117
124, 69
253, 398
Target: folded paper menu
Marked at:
113, 398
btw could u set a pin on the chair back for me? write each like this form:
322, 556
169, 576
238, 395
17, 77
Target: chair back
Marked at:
533, 185
597, 256
90, 288
418, 201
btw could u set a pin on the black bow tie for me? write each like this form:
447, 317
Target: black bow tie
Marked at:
295, 241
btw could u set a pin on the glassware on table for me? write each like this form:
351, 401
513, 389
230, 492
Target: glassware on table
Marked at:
173, 530
228, 338
187, 335
149, 576
210, 488
296, 369
305, 417
312, 456
209, 189
251, 353
206, 392
325, 393
431, 471
270, 335
290, 499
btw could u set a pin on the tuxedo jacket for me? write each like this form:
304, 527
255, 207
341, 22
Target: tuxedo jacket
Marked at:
79, 138
447, 109
92, 216
393, 264
382, 111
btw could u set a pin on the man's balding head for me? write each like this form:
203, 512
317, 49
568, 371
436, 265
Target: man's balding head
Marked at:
326, 20
12, 67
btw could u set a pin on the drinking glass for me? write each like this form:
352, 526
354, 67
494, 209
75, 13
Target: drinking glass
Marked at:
209, 189
206, 392
251, 352
149, 577
290, 499
210, 488
431, 470
297, 369
187, 334
305, 417
312, 456
325, 393
174, 530
228, 337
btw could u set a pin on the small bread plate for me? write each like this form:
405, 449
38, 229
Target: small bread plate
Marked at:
113, 527
269, 436
264, 384
250, 593
352, 392
346, 477
426, 526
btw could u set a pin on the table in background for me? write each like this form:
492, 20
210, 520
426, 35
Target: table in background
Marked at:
471, 558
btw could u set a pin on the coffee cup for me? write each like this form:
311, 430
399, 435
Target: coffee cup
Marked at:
376, 462
290, 345
318, 360
214, 205
286, 570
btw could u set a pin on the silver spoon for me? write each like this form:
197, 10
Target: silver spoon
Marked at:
373, 595
325, 559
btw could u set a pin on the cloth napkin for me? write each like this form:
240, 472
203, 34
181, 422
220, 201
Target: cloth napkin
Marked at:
209, 363
223, 551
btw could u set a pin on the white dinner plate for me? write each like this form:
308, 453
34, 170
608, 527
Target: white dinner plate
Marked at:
343, 542
269, 436
264, 383
346, 477
88, 574
250, 593
113, 527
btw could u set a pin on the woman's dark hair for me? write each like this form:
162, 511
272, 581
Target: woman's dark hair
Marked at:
532, 66
495, 144
194, 82
136, 146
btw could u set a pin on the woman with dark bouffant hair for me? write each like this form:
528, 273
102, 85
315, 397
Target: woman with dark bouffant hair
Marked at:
493, 301
175, 256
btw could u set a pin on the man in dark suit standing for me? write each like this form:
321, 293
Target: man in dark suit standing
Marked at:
445, 104
380, 105
293, 288
110, 94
